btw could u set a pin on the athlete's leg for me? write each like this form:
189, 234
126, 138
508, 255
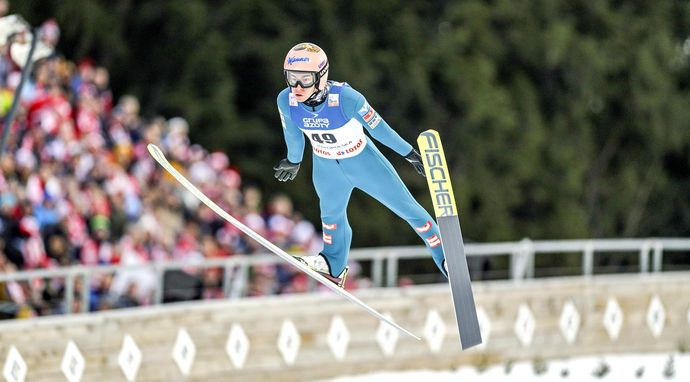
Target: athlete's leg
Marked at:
334, 190
379, 179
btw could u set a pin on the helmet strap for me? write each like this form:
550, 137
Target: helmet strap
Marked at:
317, 97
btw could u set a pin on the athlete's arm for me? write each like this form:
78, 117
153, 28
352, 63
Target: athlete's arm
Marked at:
294, 139
356, 106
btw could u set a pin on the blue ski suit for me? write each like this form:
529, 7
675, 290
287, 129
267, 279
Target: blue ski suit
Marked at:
345, 158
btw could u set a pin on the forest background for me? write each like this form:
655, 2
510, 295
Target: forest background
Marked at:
561, 119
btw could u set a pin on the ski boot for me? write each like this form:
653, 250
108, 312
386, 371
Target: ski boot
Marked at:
319, 264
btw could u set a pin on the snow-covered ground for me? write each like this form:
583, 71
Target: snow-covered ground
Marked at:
618, 368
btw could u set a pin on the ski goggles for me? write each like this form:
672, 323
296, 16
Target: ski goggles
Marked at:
303, 78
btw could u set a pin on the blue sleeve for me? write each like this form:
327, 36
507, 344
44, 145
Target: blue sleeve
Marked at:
356, 106
294, 139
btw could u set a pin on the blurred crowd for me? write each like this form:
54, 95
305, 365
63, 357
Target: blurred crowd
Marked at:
77, 186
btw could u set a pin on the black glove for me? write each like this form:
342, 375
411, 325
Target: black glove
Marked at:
416, 160
286, 170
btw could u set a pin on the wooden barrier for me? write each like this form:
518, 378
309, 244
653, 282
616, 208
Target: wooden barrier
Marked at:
99, 337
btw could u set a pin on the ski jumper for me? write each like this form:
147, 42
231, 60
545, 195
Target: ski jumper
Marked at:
345, 158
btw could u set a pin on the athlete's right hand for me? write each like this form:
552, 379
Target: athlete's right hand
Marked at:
286, 170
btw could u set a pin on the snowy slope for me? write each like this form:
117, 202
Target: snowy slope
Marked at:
621, 368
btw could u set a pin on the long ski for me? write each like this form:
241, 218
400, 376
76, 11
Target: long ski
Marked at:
158, 155
438, 179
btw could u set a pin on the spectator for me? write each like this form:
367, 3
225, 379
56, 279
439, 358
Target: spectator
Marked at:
77, 186
50, 33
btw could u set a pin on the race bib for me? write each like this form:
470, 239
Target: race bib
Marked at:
343, 142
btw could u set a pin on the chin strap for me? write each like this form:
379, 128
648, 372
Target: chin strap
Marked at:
318, 97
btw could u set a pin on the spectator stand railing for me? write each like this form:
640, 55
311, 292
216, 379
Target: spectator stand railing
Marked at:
386, 260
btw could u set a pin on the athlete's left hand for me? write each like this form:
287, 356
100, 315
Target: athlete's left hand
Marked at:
416, 160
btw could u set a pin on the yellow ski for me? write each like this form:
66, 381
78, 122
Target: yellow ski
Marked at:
441, 188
